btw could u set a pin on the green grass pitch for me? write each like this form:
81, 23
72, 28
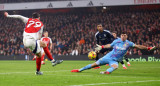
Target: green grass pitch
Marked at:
22, 73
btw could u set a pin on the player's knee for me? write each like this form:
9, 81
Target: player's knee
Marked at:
43, 44
94, 65
115, 66
38, 55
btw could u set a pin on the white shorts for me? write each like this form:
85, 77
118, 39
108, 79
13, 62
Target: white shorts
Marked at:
32, 44
42, 51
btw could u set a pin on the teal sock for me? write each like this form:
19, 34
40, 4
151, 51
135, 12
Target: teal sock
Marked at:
86, 67
110, 70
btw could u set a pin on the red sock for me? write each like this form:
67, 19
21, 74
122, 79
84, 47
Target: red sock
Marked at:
47, 52
42, 58
38, 63
33, 59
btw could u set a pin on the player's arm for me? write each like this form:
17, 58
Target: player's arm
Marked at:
98, 48
106, 46
141, 47
24, 19
50, 44
144, 47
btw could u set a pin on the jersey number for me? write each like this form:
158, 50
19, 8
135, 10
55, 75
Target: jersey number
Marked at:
37, 24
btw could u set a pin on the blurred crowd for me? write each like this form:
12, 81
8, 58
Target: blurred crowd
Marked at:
74, 33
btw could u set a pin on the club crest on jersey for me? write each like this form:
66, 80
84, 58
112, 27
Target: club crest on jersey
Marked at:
126, 44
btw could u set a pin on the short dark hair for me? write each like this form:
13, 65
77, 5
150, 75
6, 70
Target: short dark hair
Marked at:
114, 32
35, 15
123, 32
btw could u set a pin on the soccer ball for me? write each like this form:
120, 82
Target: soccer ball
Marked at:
92, 55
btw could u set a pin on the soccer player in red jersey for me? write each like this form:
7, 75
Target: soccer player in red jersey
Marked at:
31, 37
48, 41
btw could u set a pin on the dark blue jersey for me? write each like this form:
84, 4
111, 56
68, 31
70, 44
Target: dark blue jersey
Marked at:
104, 37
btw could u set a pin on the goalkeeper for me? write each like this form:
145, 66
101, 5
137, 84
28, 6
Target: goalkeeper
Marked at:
120, 47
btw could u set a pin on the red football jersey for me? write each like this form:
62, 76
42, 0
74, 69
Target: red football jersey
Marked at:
33, 25
47, 40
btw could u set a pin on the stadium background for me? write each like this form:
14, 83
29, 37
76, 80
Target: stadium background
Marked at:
72, 29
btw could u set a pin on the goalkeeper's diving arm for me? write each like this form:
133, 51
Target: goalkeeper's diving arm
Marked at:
99, 47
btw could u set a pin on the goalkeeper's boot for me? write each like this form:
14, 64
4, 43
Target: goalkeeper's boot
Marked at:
104, 72
129, 64
97, 67
39, 73
75, 70
124, 67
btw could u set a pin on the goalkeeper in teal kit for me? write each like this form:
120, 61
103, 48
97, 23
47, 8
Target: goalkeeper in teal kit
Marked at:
120, 47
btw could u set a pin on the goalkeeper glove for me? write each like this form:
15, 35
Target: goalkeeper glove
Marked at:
99, 47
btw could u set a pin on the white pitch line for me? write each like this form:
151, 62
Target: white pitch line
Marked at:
116, 83
100, 74
47, 71
7, 73
13, 73
29, 72
69, 75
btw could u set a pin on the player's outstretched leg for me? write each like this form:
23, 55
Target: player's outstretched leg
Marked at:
123, 65
97, 58
85, 68
111, 69
47, 52
54, 62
